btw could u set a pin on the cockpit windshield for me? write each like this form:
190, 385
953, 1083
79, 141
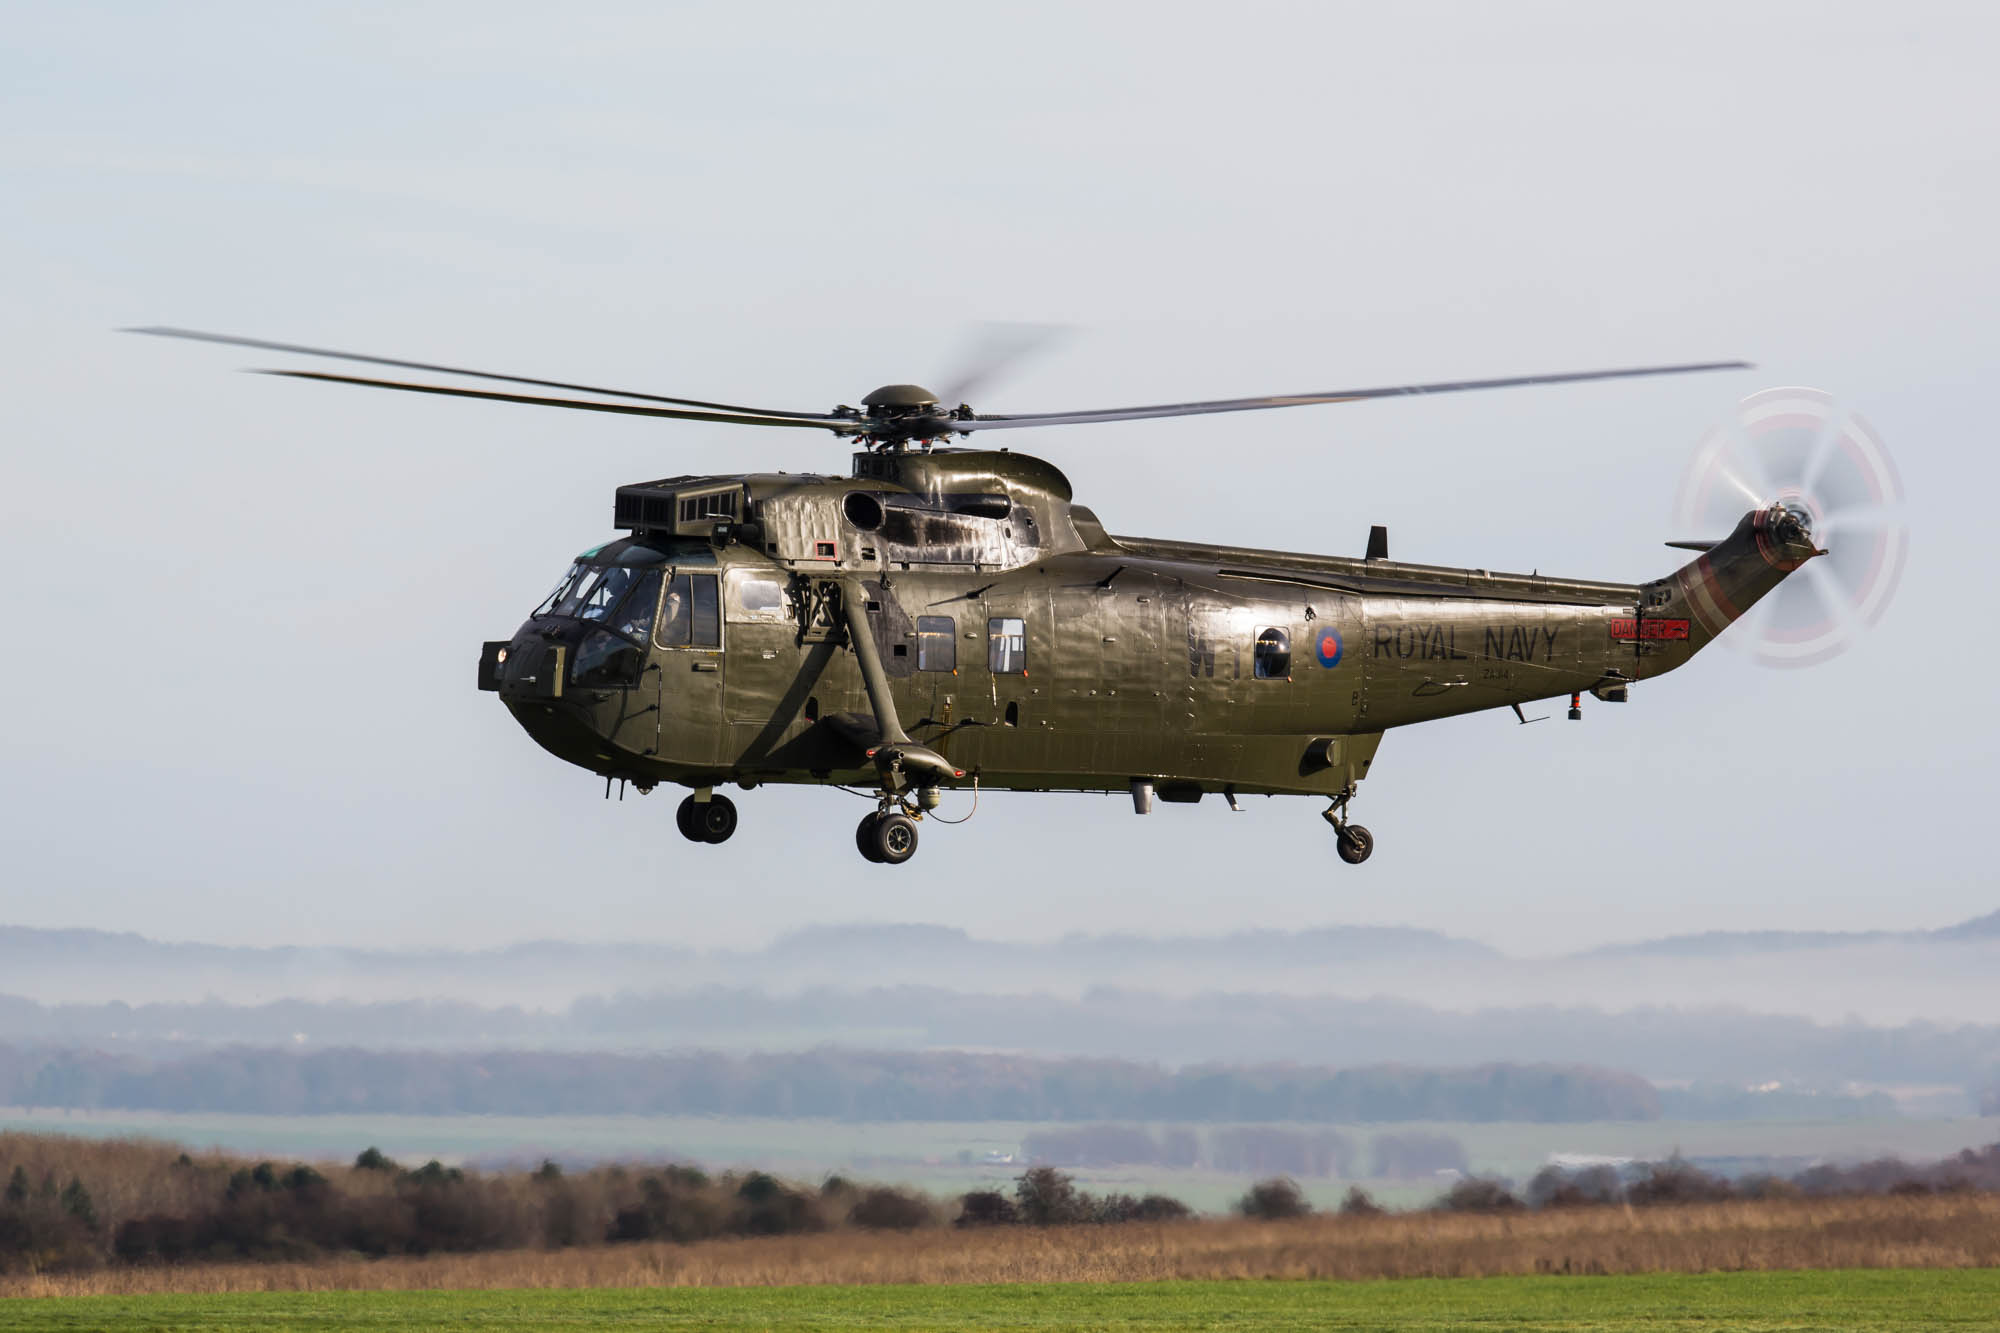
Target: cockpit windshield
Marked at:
616, 585
562, 589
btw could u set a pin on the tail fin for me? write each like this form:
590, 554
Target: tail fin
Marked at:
1690, 607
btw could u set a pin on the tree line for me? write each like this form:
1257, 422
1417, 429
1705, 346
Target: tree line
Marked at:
835, 1084
72, 1204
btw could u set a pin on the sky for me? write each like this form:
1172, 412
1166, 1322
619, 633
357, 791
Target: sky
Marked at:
248, 610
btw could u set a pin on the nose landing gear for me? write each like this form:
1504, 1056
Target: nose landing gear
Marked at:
712, 820
1354, 843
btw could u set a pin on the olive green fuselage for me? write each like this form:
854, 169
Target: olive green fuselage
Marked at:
1042, 654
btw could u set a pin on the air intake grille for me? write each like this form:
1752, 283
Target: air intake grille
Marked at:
716, 504
641, 510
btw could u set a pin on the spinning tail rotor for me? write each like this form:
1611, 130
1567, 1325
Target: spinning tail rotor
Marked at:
1796, 448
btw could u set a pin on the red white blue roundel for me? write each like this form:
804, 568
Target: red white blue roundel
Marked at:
1326, 645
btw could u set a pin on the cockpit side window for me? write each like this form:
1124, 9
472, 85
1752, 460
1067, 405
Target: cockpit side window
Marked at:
690, 613
707, 631
676, 616
634, 616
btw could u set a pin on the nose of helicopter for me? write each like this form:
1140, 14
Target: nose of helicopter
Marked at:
529, 672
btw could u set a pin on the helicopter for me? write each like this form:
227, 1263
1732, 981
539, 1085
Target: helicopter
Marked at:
946, 616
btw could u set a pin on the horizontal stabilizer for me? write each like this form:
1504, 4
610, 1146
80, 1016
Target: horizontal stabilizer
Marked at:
1693, 546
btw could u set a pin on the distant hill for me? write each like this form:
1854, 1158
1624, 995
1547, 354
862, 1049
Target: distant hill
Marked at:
1715, 943
1879, 977
89, 965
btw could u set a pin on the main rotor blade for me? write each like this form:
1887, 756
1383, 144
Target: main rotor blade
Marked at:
229, 340
1300, 400
995, 349
839, 425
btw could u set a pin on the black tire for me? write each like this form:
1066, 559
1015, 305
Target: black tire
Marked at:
685, 819
718, 819
864, 837
1355, 844
895, 838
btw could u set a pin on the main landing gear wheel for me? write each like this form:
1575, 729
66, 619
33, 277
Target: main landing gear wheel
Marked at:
712, 821
864, 837
888, 839
1355, 843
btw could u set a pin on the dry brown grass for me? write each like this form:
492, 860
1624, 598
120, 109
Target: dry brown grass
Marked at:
1939, 1231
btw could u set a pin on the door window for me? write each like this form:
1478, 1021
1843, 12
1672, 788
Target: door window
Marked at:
1007, 646
690, 613
937, 646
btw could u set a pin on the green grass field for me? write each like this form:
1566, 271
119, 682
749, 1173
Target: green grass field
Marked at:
1844, 1301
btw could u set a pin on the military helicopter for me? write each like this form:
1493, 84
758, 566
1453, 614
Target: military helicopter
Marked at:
946, 617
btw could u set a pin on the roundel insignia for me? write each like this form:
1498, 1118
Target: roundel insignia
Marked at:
1327, 647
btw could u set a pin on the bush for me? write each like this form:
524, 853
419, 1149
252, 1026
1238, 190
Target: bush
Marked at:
1359, 1203
766, 1206
1045, 1197
1115, 1208
1677, 1180
891, 1210
986, 1208
669, 1208
1479, 1194
1274, 1200
1555, 1187
432, 1172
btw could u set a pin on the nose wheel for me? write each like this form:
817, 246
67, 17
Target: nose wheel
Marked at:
887, 837
1354, 843
712, 820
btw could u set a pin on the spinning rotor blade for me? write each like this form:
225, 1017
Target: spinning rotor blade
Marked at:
1797, 447
978, 422
229, 340
995, 349
839, 425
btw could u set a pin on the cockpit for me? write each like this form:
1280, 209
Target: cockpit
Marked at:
623, 597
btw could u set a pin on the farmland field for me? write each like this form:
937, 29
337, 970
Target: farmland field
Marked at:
947, 1157
1848, 1300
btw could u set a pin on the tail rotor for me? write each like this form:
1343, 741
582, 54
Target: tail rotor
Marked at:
1798, 448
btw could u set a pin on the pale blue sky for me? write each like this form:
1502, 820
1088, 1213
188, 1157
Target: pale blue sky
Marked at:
240, 677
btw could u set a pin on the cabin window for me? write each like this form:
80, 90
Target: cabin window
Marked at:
760, 599
937, 644
689, 614
1274, 654
1007, 646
